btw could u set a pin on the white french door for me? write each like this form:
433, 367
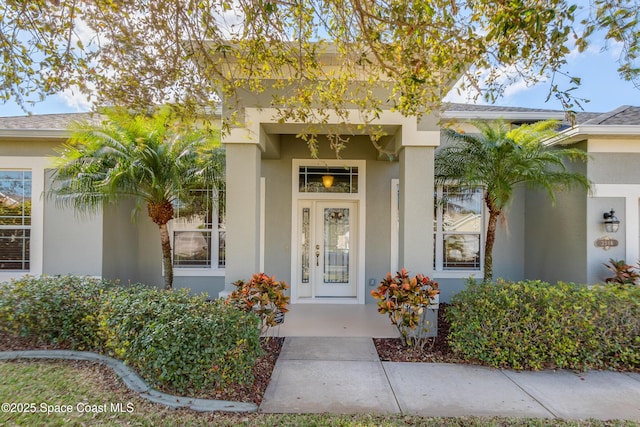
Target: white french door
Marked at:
328, 251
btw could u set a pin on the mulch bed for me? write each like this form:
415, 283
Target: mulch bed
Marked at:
261, 373
389, 349
436, 350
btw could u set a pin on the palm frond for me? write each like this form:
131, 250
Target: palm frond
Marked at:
147, 158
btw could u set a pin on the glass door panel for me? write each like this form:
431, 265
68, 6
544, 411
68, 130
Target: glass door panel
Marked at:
336, 245
336, 253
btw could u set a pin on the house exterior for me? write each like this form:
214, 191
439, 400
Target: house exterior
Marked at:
332, 228
577, 244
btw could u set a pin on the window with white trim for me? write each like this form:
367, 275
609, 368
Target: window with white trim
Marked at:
15, 220
458, 228
328, 179
198, 229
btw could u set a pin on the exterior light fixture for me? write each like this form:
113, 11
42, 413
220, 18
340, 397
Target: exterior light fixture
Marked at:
611, 222
327, 181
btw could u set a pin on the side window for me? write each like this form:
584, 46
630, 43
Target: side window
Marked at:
15, 220
458, 228
199, 231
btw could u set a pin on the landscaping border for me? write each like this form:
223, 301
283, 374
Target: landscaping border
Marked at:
134, 382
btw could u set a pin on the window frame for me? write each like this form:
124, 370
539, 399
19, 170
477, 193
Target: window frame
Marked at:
37, 166
439, 234
24, 224
215, 268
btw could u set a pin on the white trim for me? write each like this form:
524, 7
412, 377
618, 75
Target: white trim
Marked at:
198, 271
37, 166
34, 134
395, 224
321, 300
439, 233
263, 212
631, 194
602, 130
360, 197
582, 132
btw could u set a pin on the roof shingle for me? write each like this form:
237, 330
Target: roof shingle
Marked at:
622, 116
45, 121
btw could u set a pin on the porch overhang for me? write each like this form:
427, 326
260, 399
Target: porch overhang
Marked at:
263, 128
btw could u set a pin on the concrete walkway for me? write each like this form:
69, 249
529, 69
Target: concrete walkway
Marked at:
344, 375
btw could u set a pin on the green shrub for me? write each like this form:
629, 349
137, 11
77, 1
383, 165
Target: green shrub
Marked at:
618, 326
180, 342
128, 310
176, 341
404, 299
55, 310
533, 325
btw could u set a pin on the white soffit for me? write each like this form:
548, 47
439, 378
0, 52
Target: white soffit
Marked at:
582, 132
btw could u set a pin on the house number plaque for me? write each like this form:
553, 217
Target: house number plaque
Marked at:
606, 243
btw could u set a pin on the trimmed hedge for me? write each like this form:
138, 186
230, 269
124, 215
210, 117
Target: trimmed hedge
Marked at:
535, 325
175, 340
180, 341
54, 310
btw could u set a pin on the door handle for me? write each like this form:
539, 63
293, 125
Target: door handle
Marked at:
317, 255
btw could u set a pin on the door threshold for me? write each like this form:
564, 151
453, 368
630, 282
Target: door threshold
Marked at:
327, 300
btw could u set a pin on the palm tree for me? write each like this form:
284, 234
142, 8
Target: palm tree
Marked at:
499, 159
152, 159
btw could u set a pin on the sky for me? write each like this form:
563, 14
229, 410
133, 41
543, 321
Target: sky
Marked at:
601, 85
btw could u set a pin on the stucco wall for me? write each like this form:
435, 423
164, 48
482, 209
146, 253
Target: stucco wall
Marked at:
614, 168
265, 98
568, 250
596, 256
277, 237
72, 242
119, 251
29, 147
378, 228
149, 252
556, 235
210, 285
132, 252
509, 248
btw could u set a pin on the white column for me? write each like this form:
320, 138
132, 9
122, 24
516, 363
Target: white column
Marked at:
242, 212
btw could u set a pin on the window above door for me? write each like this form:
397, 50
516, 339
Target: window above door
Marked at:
328, 179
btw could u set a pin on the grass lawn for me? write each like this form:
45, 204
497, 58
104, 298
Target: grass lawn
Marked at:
65, 393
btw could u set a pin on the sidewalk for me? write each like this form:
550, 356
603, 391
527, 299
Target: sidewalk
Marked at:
344, 375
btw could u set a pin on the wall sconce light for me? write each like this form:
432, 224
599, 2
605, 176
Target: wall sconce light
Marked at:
611, 222
327, 181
